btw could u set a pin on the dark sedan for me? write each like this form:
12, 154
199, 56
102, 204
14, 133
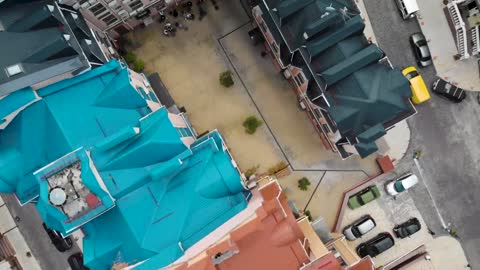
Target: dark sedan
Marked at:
376, 245
407, 228
76, 262
421, 50
449, 91
62, 244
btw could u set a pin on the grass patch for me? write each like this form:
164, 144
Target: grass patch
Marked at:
277, 167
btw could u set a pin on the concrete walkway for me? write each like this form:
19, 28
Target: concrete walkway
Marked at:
446, 253
9, 229
434, 25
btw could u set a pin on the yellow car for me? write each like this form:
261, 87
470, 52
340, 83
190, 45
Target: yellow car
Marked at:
420, 92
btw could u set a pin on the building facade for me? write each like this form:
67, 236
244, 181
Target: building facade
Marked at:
464, 18
346, 84
266, 235
117, 17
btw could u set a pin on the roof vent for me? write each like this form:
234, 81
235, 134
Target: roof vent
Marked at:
66, 37
88, 41
14, 70
57, 196
75, 16
51, 8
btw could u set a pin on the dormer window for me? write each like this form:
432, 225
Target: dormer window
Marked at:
14, 70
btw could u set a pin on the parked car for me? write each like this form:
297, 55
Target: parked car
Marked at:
376, 245
363, 197
62, 244
449, 91
76, 262
421, 50
420, 92
407, 228
408, 8
401, 184
359, 228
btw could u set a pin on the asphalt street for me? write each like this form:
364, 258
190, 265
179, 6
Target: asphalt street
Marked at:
30, 224
446, 134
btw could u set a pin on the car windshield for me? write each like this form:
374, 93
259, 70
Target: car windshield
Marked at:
421, 43
412, 229
399, 187
411, 75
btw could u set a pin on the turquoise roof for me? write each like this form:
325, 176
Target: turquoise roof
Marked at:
157, 195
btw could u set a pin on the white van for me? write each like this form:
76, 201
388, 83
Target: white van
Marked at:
408, 8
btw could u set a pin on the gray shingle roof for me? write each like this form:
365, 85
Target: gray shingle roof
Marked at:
38, 37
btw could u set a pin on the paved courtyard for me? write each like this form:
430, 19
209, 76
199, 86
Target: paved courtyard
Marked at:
189, 65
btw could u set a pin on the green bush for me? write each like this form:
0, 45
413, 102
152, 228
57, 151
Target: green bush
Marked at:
138, 65
303, 183
226, 78
251, 124
308, 214
277, 167
131, 58
251, 171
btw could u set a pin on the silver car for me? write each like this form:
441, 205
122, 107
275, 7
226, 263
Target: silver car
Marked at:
359, 228
421, 50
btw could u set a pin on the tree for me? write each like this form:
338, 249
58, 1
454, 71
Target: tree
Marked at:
251, 124
303, 183
138, 65
226, 78
130, 58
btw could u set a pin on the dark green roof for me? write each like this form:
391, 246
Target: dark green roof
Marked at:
44, 40
361, 95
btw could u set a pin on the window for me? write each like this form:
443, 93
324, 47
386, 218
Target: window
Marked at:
109, 19
185, 132
135, 5
98, 9
263, 26
299, 79
14, 70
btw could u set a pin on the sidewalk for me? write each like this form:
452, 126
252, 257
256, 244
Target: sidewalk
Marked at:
433, 22
9, 230
369, 34
446, 253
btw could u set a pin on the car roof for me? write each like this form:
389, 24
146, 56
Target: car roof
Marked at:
383, 243
366, 226
409, 181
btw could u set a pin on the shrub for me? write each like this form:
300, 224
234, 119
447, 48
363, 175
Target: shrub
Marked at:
308, 214
138, 65
251, 171
251, 124
130, 58
226, 78
303, 183
277, 167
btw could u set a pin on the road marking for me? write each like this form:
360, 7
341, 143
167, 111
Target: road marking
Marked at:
420, 170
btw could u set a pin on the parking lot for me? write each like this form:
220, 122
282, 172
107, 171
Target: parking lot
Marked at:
387, 212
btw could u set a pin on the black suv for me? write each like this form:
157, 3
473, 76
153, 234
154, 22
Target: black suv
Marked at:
62, 244
449, 91
376, 245
407, 228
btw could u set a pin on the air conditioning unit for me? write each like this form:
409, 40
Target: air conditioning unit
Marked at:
76, 6
85, 5
133, 13
113, 3
126, 1
92, 1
